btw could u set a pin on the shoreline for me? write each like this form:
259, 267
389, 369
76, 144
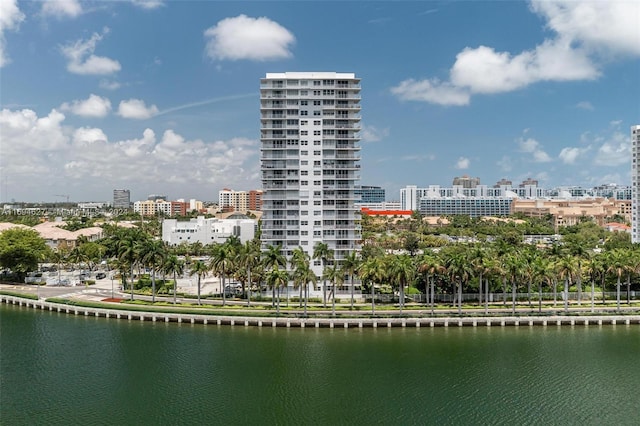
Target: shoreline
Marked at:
345, 323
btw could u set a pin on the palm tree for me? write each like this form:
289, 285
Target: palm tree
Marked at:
567, 267
350, 267
459, 271
402, 271
617, 264
200, 269
276, 278
325, 254
173, 265
478, 263
431, 266
249, 257
222, 263
336, 276
373, 270
299, 264
152, 254
514, 265
273, 258
126, 249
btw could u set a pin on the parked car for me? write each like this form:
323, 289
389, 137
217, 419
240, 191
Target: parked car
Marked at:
100, 275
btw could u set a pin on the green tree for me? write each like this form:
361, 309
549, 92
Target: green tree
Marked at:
174, 266
373, 271
152, 254
276, 278
335, 275
401, 272
21, 249
322, 252
273, 258
200, 269
222, 263
350, 267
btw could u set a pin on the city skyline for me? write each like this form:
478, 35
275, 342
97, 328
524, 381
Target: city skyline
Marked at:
162, 96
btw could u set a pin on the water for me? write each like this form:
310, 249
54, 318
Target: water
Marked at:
60, 369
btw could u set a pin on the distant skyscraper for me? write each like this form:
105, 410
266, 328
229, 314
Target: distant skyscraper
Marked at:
121, 199
309, 135
466, 181
635, 184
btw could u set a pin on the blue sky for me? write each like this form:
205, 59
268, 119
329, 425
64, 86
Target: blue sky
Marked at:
162, 96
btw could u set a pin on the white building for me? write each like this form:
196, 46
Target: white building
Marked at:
207, 231
635, 184
310, 153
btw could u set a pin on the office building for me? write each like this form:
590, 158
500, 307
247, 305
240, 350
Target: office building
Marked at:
207, 231
635, 184
121, 199
310, 123
369, 194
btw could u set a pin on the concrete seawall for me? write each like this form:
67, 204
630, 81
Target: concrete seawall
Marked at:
245, 321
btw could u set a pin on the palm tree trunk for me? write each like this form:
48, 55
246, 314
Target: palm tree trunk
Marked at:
175, 286
593, 291
300, 301
603, 284
352, 290
504, 292
480, 290
131, 283
628, 289
248, 286
224, 290
401, 296
540, 296
433, 296
306, 299
566, 295
153, 284
486, 297
333, 299
198, 289
278, 301
513, 296
555, 293
618, 294
460, 297
324, 293
273, 296
373, 301
529, 293
579, 284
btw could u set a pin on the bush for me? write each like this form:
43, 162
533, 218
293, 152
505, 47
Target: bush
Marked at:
17, 294
89, 282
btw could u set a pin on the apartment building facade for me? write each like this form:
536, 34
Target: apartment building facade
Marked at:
310, 123
635, 184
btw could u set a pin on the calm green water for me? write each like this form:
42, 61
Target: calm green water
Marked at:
59, 369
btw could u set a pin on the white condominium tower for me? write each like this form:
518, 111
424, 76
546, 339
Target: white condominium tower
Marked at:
310, 123
635, 184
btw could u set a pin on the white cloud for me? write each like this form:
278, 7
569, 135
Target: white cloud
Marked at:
47, 156
109, 84
148, 4
373, 134
94, 106
533, 147
585, 105
587, 35
136, 109
432, 91
10, 19
609, 27
613, 150
83, 61
462, 163
88, 135
569, 155
242, 37
62, 8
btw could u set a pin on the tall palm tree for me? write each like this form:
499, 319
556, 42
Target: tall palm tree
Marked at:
248, 257
478, 259
276, 278
459, 271
325, 254
335, 275
514, 264
299, 263
173, 265
152, 254
373, 271
618, 265
402, 271
222, 263
200, 269
431, 266
127, 251
350, 267
273, 258
567, 267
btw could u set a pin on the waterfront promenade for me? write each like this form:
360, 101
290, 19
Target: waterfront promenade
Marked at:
240, 315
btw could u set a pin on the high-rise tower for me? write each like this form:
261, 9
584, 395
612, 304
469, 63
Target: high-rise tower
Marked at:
635, 184
310, 123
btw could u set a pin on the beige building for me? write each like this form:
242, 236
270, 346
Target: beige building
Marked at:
571, 212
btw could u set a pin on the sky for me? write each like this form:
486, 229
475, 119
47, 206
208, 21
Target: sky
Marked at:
162, 96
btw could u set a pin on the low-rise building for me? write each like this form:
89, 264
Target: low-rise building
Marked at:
208, 231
